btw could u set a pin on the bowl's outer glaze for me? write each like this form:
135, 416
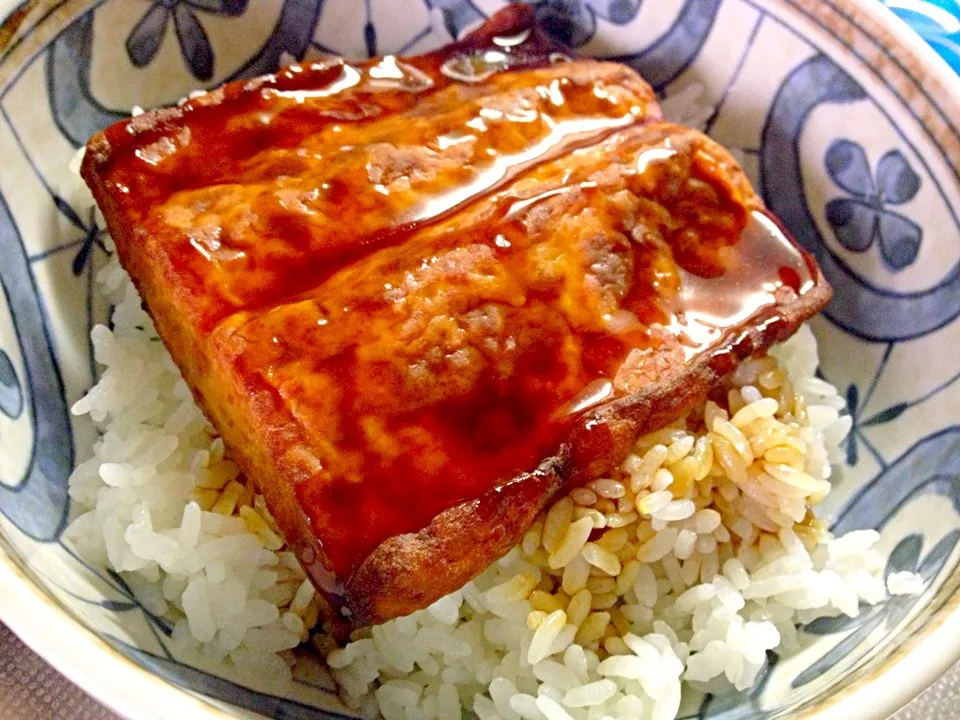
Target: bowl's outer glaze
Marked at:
846, 123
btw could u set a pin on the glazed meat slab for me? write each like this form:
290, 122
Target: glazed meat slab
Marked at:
419, 297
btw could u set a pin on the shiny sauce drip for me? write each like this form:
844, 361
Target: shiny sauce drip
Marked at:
438, 265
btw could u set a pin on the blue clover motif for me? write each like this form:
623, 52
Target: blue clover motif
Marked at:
865, 217
574, 22
147, 35
890, 613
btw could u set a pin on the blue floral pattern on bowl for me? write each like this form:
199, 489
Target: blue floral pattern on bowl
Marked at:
866, 215
838, 151
574, 22
144, 40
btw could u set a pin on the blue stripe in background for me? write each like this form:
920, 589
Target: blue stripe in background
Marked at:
936, 21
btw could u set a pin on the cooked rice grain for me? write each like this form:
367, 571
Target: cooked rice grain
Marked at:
161, 505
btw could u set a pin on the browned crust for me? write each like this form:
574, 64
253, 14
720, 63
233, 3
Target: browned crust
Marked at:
411, 571
457, 545
222, 402
461, 542
408, 572
228, 405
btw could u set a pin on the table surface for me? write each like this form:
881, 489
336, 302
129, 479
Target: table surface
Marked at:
32, 690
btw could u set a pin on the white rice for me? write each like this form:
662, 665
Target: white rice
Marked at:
162, 505
905, 583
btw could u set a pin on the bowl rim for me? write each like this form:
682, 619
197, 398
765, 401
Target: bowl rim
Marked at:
75, 651
935, 647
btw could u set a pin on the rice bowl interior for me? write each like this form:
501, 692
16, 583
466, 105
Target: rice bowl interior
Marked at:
698, 570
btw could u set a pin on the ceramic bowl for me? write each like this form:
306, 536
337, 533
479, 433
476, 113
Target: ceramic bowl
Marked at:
846, 123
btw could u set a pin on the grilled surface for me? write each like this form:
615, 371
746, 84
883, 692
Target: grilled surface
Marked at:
418, 297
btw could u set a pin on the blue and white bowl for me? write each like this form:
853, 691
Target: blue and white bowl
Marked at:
846, 122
